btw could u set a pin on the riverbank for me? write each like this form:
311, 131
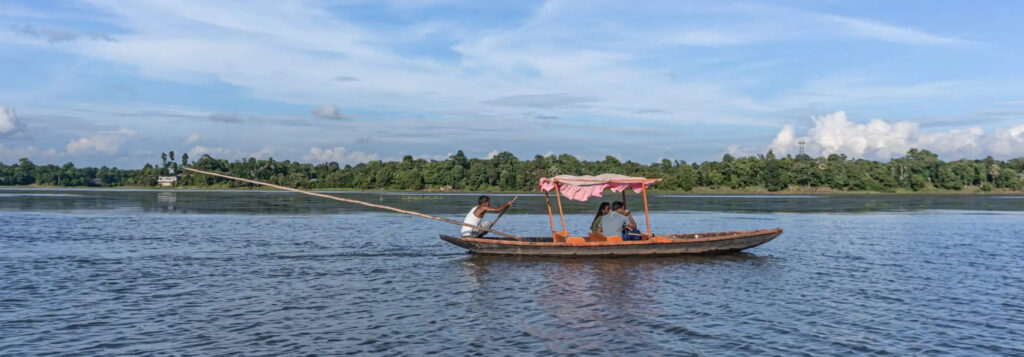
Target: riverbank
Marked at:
972, 190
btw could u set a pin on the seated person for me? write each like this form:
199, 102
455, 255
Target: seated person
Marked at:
631, 234
603, 209
476, 215
619, 221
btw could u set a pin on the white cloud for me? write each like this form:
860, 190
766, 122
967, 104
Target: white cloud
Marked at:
228, 154
740, 151
264, 153
1008, 142
878, 139
889, 33
578, 61
12, 155
192, 139
8, 121
329, 111
338, 154
434, 157
106, 142
292, 52
784, 141
492, 154
840, 90
199, 150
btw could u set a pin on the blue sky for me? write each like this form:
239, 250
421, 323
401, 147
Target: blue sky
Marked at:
117, 82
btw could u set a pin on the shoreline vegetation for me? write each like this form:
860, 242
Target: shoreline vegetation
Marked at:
427, 191
918, 172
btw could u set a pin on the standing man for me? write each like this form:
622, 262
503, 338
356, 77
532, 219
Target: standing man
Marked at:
619, 222
476, 215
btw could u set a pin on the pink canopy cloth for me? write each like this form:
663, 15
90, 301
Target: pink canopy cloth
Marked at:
582, 188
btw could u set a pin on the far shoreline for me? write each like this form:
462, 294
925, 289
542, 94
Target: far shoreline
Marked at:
817, 191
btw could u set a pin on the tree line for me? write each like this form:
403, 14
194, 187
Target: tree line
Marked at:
917, 170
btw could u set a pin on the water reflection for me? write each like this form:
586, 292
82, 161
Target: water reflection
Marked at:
591, 303
480, 262
167, 200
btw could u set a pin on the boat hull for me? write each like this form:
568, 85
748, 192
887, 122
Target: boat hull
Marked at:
677, 244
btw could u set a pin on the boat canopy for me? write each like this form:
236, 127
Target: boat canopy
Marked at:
582, 188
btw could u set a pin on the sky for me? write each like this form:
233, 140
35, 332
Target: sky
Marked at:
116, 83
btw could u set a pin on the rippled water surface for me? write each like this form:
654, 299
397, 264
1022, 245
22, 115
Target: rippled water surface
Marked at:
136, 272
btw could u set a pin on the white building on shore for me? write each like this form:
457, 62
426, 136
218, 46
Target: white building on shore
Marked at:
166, 181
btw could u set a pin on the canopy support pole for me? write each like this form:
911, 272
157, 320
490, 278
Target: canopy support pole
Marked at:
551, 217
624, 198
647, 216
561, 214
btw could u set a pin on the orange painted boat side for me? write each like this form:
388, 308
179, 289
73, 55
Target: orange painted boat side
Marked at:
693, 243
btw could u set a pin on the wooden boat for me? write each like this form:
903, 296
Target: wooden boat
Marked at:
674, 244
581, 188
561, 243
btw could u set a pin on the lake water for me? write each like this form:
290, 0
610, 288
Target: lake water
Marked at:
120, 272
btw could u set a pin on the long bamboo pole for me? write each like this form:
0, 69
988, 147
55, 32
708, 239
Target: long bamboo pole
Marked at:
358, 202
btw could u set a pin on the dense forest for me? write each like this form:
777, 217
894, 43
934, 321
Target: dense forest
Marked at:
918, 170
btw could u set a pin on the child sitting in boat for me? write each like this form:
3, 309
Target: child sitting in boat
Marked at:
620, 221
476, 215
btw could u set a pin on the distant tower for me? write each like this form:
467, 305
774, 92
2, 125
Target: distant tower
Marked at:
802, 147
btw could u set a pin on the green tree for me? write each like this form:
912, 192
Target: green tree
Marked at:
948, 179
917, 170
